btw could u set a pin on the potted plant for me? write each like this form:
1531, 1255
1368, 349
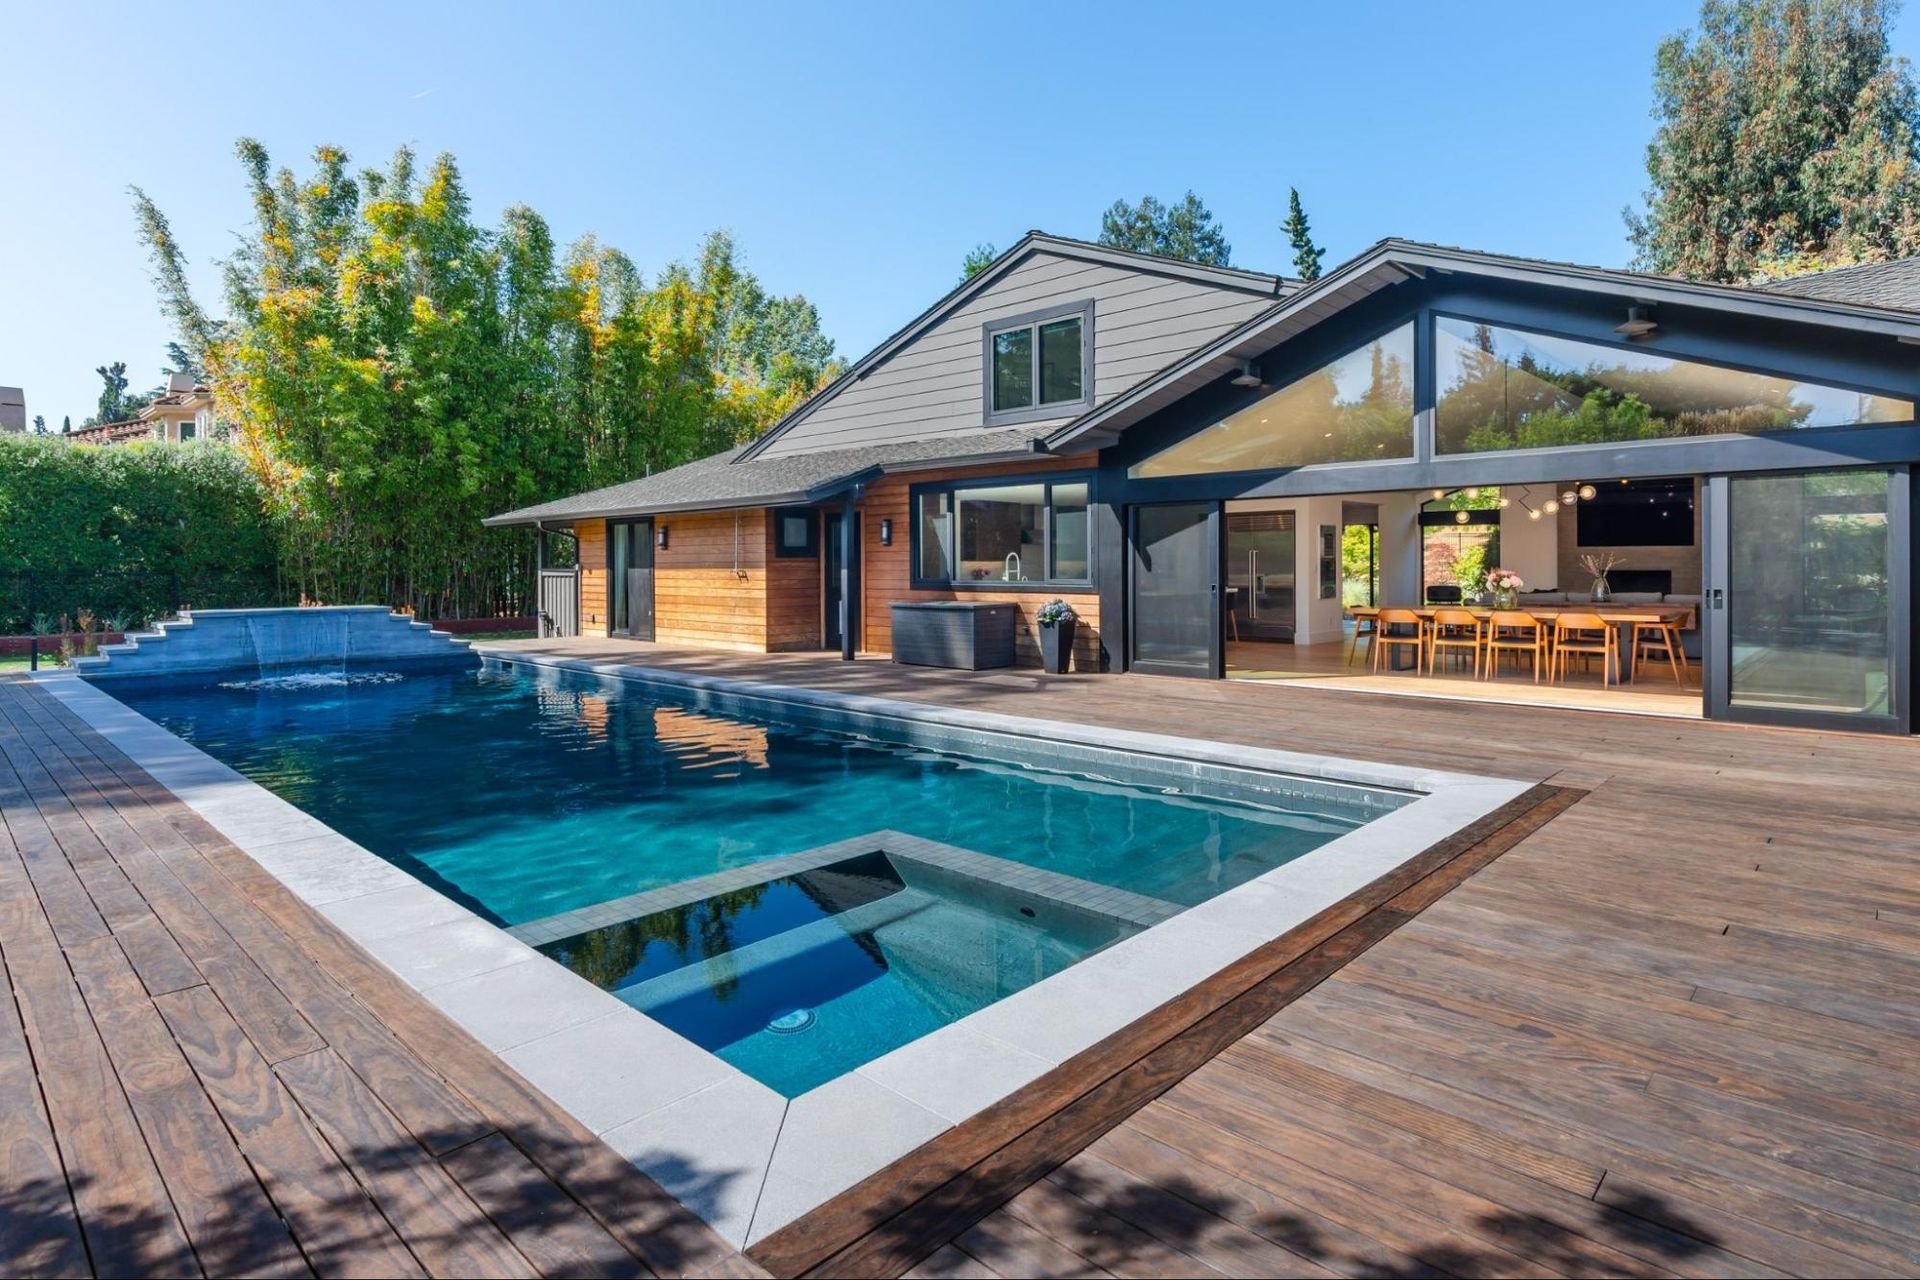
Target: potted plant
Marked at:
1056, 619
1506, 586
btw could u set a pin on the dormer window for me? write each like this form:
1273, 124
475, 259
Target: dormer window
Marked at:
1039, 365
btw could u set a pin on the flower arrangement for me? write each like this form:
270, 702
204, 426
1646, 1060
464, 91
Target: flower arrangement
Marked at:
1054, 612
1506, 581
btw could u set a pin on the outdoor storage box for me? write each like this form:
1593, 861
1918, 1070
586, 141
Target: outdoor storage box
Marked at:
953, 633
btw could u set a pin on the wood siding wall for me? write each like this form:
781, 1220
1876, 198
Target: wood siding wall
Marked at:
886, 572
595, 608
931, 388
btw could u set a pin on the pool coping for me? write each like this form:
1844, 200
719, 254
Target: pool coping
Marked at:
744, 1158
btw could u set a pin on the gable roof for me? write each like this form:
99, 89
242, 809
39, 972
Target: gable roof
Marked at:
1253, 283
1893, 284
1392, 261
728, 480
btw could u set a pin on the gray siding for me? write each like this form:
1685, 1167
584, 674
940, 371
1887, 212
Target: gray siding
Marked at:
931, 387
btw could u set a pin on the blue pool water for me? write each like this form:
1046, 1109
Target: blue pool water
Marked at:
525, 797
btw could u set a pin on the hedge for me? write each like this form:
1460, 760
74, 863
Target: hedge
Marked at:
129, 532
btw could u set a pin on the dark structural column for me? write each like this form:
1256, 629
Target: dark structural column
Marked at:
850, 573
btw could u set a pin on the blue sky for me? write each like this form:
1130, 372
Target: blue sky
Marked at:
856, 151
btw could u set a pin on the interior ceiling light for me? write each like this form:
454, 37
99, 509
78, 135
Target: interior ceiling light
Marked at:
1637, 324
1461, 517
1569, 497
1439, 494
1586, 492
1248, 376
1505, 502
1533, 513
1550, 506
1472, 494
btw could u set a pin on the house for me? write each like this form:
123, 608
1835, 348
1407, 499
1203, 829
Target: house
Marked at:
184, 411
1191, 456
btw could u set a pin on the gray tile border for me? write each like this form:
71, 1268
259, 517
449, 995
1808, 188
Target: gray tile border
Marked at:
733, 1150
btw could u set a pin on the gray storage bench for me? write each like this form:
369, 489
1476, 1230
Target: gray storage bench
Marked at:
953, 633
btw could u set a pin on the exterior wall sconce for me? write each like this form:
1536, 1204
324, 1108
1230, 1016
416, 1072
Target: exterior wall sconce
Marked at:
886, 531
660, 537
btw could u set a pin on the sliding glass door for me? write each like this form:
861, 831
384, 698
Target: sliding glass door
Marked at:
630, 577
1808, 605
1175, 618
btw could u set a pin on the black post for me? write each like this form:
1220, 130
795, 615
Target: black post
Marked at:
33, 653
849, 574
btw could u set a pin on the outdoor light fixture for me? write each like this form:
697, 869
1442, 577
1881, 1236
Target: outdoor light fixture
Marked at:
660, 537
1248, 376
1586, 492
886, 531
1637, 324
1461, 517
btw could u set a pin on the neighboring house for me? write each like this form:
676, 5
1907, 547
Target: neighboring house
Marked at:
1179, 451
184, 411
13, 410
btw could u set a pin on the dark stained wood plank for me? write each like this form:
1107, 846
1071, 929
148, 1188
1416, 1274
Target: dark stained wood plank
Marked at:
445, 1229
39, 1228
338, 1227
545, 1223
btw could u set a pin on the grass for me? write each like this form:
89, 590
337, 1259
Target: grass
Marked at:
483, 636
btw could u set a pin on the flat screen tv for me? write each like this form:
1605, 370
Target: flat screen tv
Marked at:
1639, 513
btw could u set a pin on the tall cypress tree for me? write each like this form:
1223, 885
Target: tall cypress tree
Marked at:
1306, 254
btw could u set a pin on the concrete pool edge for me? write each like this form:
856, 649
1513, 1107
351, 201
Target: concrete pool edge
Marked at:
738, 1154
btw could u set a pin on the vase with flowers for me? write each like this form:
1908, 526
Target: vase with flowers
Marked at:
1600, 566
1506, 586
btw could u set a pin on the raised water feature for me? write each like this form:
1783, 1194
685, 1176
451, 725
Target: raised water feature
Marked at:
308, 645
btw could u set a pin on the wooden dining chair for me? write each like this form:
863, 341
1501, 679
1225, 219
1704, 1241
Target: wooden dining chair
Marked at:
1385, 639
1517, 631
1365, 627
1584, 635
1658, 640
1457, 631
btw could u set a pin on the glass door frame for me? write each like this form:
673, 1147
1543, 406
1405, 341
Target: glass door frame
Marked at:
1214, 666
627, 536
1716, 633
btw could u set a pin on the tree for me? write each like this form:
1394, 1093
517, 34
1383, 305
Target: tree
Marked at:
1787, 135
115, 404
394, 371
66, 424
978, 259
39, 425
1306, 254
1186, 230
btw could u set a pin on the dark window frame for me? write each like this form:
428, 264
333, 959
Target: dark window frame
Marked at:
1048, 481
1033, 320
1436, 314
811, 549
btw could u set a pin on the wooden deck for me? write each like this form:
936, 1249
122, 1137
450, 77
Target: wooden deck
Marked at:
199, 1075
1675, 1030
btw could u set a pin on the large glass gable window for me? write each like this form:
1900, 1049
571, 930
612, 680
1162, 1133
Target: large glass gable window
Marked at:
1500, 388
999, 535
1357, 408
1037, 366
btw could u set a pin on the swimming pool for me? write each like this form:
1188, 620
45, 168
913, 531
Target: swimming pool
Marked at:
562, 806
470, 778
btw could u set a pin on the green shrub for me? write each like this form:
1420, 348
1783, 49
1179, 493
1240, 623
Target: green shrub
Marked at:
133, 531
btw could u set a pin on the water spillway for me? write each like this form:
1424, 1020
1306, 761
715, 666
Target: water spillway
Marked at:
272, 642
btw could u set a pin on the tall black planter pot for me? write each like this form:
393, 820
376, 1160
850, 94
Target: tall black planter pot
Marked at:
1056, 646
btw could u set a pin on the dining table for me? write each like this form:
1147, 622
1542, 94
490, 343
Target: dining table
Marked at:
1619, 616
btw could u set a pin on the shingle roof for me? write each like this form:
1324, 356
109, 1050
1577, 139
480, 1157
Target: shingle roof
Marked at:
111, 432
1893, 284
721, 482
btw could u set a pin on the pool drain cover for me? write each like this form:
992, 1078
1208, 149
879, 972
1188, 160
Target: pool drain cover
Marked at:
788, 1023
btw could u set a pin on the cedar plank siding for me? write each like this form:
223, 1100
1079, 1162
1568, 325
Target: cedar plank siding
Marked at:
700, 598
931, 388
886, 572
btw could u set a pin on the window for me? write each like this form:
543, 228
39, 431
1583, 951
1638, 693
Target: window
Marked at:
187, 429
1033, 533
1357, 408
1500, 388
1039, 366
796, 532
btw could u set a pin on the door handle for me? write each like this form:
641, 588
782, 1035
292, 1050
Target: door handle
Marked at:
1716, 598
